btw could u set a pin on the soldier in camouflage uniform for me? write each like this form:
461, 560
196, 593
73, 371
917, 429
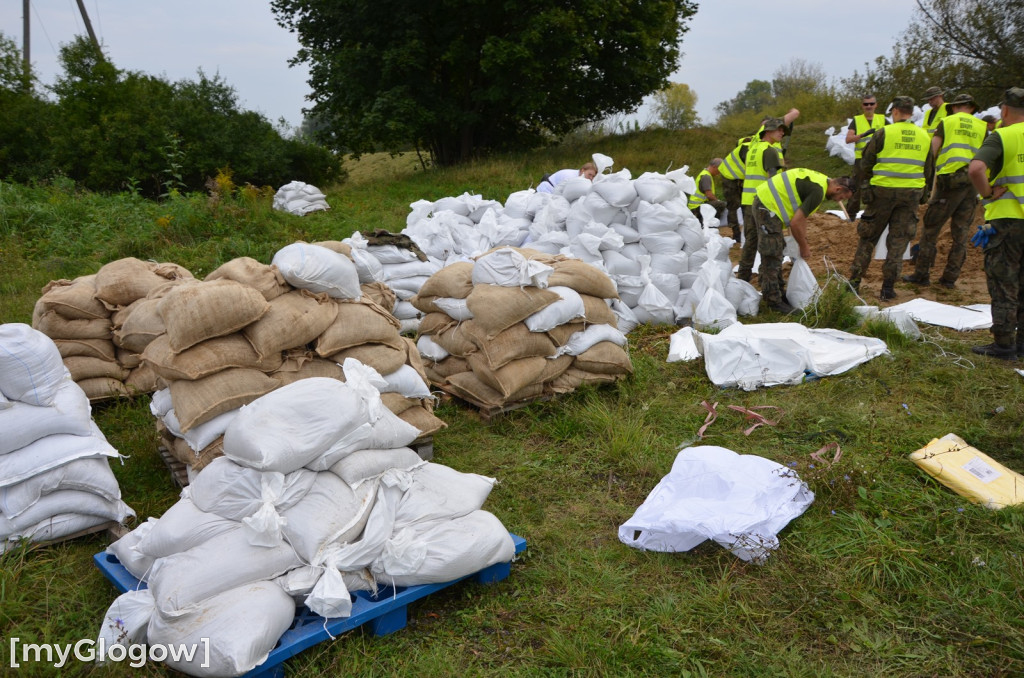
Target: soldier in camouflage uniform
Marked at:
997, 173
898, 165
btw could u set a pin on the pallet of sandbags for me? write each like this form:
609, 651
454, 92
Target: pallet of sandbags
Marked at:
518, 326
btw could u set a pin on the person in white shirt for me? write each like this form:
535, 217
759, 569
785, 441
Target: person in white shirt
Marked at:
549, 181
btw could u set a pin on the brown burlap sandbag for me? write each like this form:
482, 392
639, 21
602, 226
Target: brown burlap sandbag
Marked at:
123, 281
469, 387
454, 281
74, 299
413, 359
180, 450
357, 322
423, 420
138, 324
82, 367
560, 335
384, 358
294, 319
265, 278
206, 357
510, 378
456, 339
604, 357
199, 401
313, 367
555, 368
596, 311
435, 323
582, 277
496, 308
103, 349
100, 388
335, 246
380, 294
572, 379
438, 372
144, 380
126, 358
56, 326
195, 313
511, 344
398, 403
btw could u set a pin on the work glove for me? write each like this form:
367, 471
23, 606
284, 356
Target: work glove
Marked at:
980, 239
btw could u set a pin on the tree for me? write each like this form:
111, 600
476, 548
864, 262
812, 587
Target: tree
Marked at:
462, 77
756, 96
798, 78
676, 106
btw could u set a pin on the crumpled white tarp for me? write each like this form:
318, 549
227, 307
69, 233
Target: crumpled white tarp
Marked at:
740, 501
769, 354
963, 318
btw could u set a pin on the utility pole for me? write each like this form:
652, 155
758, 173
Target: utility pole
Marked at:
26, 68
88, 28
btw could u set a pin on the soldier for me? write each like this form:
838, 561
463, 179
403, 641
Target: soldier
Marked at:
898, 165
709, 186
957, 138
933, 96
859, 132
783, 203
764, 160
997, 173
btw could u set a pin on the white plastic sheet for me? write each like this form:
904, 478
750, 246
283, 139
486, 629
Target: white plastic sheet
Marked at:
963, 318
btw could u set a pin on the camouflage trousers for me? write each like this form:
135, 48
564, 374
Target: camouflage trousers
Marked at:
857, 176
1004, 271
955, 200
749, 251
732, 191
897, 209
770, 244
719, 206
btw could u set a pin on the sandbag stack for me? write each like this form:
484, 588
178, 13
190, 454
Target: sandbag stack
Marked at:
517, 325
299, 198
55, 480
250, 328
88, 320
317, 495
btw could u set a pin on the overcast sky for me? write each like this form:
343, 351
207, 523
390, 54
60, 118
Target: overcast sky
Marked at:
240, 41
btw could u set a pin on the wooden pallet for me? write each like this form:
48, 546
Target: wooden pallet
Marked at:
489, 412
383, 613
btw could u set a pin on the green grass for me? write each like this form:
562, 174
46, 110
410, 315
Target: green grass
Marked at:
887, 574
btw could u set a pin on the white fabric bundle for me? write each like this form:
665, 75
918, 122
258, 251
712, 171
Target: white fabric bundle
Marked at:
318, 269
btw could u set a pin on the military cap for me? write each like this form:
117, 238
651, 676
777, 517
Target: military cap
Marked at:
963, 99
1013, 97
931, 92
772, 124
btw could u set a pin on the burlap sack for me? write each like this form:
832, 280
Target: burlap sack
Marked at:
456, 339
82, 367
398, 403
471, 388
144, 380
357, 322
511, 378
123, 281
497, 308
511, 344
103, 349
100, 388
604, 357
555, 368
264, 278
74, 299
313, 367
423, 420
455, 281
56, 326
199, 401
138, 324
583, 278
384, 358
180, 450
438, 373
195, 313
413, 359
572, 379
206, 357
293, 319
380, 294
435, 323
560, 335
596, 311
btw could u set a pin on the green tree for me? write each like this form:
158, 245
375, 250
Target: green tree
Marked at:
462, 77
25, 120
676, 106
756, 96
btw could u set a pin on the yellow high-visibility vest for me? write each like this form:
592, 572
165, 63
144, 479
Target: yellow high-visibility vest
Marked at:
779, 195
902, 158
1011, 204
862, 125
962, 135
732, 166
698, 198
755, 173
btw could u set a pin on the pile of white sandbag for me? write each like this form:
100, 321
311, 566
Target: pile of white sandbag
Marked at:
250, 328
516, 325
87, 318
317, 495
55, 480
299, 198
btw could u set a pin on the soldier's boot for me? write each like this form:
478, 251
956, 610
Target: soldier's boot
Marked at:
948, 284
918, 279
996, 350
887, 292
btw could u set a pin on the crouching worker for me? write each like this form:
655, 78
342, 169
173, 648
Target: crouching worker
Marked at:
709, 187
783, 204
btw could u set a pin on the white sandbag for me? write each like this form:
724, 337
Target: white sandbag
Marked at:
63, 502
740, 501
667, 283
293, 425
743, 296
802, 288
31, 369
437, 491
69, 412
616, 189
330, 511
656, 305
630, 287
181, 582
50, 452
713, 311
616, 264
127, 619
517, 204
508, 268
92, 476
410, 269
585, 339
684, 345
442, 550
299, 198
627, 320
364, 464
232, 632
387, 431
575, 188
404, 310
628, 233
368, 267
126, 551
406, 381
592, 207
697, 260
673, 263
318, 269
653, 218
900, 318
180, 528
203, 435
684, 305
565, 310
693, 240
655, 188
54, 528
430, 349
663, 242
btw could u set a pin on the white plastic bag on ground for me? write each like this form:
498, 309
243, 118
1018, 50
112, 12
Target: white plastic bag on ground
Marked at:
740, 501
713, 311
802, 287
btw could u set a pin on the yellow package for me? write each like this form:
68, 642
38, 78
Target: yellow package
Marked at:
970, 473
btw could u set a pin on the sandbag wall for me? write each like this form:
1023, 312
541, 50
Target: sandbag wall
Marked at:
55, 478
517, 325
317, 495
87, 318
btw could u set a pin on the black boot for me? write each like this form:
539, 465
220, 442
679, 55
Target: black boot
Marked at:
994, 350
887, 292
917, 279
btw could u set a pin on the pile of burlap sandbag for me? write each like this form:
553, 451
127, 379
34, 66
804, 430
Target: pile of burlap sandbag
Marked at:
55, 478
250, 328
317, 495
87, 318
516, 325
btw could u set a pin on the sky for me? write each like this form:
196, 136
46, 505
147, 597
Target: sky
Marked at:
729, 43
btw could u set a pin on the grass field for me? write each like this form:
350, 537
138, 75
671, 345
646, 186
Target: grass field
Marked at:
887, 573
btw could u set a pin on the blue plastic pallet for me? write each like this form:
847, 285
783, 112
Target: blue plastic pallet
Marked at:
384, 613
